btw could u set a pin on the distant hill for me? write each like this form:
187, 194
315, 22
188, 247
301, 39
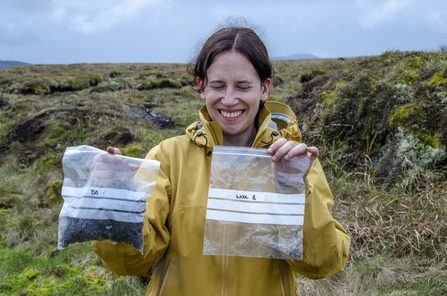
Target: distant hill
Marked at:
8, 64
298, 56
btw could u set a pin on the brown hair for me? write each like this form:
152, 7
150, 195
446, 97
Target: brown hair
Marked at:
232, 38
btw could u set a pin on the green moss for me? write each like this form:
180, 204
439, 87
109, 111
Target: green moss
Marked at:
328, 97
149, 85
94, 80
56, 280
317, 72
74, 98
175, 83
17, 88
52, 194
15, 146
134, 150
438, 79
428, 139
363, 105
339, 84
400, 115
57, 135
408, 76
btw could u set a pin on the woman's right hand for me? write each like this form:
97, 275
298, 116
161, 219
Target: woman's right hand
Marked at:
110, 168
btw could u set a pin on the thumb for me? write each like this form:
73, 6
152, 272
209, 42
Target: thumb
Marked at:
112, 150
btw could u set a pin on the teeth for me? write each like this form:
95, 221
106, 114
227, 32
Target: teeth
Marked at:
231, 115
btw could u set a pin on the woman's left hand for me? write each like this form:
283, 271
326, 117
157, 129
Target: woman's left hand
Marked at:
282, 151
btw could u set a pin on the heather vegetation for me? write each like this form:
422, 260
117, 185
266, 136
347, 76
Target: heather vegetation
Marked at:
380, 123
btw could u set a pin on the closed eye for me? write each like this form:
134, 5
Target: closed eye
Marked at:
244, 87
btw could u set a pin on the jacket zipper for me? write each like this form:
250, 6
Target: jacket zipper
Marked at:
280, 279
214, 136
225, 262
166, 276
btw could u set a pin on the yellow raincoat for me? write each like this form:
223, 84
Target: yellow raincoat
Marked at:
175, 221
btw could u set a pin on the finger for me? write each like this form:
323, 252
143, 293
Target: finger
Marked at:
313, 151
275, 146
113, 150
281, 152
300, 149
109, 158
132, 167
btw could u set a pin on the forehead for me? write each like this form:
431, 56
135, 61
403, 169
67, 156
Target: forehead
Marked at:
232, 64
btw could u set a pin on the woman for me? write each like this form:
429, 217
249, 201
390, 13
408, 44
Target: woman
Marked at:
234, 75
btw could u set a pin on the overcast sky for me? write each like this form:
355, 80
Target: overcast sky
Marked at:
97, 31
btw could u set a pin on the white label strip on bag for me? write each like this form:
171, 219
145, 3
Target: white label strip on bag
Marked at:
254, 218
106, 193
104, 203
255, 207
244, 154
257, 196
252, 207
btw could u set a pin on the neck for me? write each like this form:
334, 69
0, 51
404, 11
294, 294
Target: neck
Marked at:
245, 139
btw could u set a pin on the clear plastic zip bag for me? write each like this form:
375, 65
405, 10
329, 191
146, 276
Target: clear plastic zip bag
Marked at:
107, 203
255, 207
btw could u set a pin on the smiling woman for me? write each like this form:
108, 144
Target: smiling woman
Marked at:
233, 72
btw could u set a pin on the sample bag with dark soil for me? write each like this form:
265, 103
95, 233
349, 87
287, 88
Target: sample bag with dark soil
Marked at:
255, 207
104, 196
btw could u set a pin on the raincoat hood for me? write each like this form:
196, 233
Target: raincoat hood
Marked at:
276, 121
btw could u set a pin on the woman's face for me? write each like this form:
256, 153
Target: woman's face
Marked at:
232, 96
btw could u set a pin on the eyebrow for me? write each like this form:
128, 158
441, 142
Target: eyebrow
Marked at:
237, 82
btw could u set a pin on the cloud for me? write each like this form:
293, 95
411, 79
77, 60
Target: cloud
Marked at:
438, 21
390, 11
26, 5
12, 35
93, 17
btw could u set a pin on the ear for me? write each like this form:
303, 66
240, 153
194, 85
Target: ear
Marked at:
265, 86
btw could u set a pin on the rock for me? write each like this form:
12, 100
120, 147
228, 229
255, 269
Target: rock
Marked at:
4, 103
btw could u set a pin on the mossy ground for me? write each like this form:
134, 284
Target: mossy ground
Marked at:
379, 123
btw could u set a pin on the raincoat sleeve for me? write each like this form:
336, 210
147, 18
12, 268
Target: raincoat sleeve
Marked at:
123, 259
325, 242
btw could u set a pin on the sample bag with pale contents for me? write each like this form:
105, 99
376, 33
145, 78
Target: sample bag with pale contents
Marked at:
104, 196
255, 206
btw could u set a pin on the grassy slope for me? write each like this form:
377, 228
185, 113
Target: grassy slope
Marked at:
397, 221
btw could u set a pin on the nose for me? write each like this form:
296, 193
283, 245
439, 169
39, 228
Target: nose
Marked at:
230, 97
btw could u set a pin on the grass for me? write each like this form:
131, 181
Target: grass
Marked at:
353, 109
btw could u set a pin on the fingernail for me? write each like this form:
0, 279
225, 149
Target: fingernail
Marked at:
274, 158
270, 150
286, 156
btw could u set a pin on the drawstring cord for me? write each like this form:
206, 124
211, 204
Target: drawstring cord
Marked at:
274, 133
200, 134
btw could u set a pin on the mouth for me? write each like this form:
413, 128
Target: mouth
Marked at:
231, 114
